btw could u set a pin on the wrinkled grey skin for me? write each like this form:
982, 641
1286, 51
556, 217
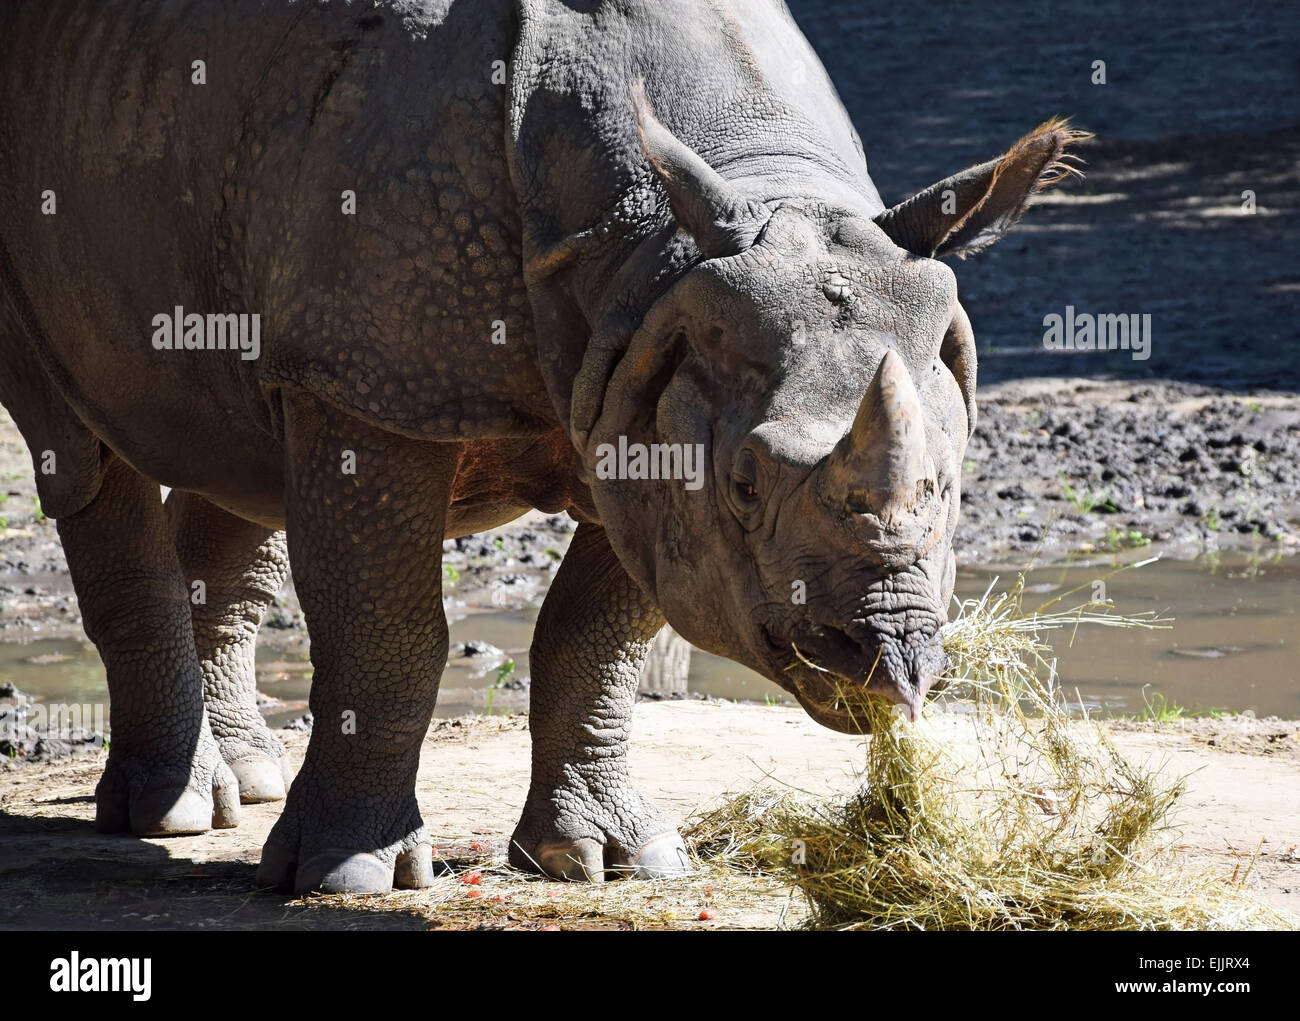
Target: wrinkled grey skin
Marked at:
665, 207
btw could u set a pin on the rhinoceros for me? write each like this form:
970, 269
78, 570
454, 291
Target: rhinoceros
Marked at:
352, 279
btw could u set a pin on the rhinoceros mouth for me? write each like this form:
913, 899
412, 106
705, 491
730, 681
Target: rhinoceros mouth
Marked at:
837, 715
833, 676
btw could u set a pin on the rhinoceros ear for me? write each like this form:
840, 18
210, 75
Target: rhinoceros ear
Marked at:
970, 210
705, 205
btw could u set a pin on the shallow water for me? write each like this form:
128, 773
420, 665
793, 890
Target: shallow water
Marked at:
1234, 645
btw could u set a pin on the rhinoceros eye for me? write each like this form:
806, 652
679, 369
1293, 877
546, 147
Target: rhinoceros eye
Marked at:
745, 482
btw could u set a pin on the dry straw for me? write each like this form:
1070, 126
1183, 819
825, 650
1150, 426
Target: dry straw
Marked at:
1041, 824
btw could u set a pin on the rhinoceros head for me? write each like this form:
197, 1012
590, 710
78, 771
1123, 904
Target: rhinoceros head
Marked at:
819, 362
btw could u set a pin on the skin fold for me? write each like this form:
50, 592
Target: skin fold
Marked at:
486, 239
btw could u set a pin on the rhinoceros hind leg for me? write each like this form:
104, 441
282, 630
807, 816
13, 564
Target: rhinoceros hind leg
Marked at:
164, 774
238, 567
582, 819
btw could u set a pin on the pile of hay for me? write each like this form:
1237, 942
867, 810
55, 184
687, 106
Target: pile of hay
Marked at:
1042, 825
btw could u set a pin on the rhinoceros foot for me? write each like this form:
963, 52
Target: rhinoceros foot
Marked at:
321, 845
151, 798
591, 837
339, 870
262, 774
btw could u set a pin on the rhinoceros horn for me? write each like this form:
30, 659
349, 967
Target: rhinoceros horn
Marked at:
881, 467
720, 219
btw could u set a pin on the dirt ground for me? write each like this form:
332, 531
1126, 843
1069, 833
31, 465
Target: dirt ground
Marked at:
56, 872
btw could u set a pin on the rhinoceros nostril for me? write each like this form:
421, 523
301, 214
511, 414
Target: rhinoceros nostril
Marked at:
858, 502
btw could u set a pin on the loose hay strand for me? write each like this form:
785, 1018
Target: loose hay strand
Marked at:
1046, 826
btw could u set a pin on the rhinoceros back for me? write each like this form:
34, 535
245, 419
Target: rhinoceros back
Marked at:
337, 169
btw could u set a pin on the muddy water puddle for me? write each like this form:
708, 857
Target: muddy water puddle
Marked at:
1234, 646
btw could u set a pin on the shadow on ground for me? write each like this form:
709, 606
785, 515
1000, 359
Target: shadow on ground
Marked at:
92, 881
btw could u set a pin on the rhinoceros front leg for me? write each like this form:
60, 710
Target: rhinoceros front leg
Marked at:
582, 818
364, 512
164, 774
241, 567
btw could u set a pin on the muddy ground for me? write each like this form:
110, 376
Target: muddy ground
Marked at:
1059, 469
1078, 454
56, 872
